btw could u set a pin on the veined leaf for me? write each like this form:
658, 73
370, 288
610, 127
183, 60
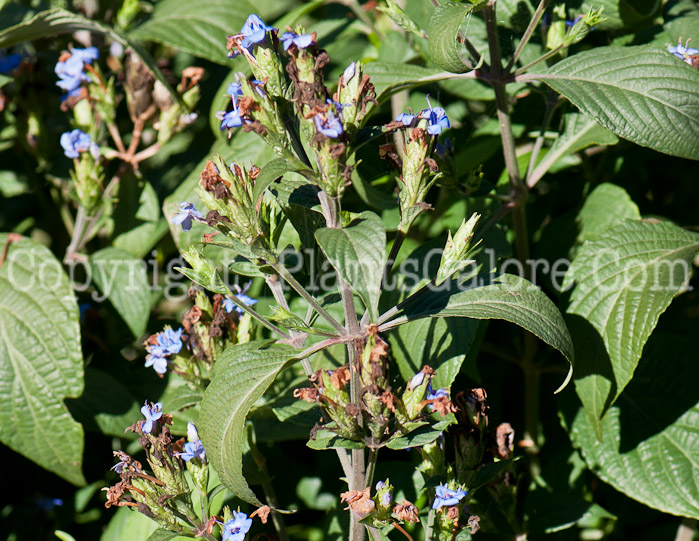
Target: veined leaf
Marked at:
643, 94
390, 78
607, 206
198, 27
123, 280
623, 281
580, 131
650, 444
358, 254
243, 374
444, 46
55, 22
511, 298
40, 360
681, 19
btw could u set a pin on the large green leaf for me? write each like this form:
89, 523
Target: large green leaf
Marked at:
643, 94
122, 279
243, 374
40, 360
579, 132
650, 444
198, 27
605, 207
358, 254
439, 342
444, 46
55, 22
681, 20
623, 281
128, 524
389, 78
511, 298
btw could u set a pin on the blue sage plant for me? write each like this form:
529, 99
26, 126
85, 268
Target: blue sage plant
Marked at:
349, 270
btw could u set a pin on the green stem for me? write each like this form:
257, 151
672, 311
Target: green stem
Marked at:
543, 57
371, 467
528, 33
271, 326
395, 248
284, 273
539, 143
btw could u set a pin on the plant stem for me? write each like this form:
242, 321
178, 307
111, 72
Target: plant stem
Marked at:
79, 229
284, 273
539, 143
271, 326
395, 248
371, 467
543, 57
686, 530
528, 33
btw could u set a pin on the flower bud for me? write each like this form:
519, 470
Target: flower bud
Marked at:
457, 250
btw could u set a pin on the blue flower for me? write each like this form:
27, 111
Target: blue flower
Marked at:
386, 499
9, 63
405, 119
235, 89
170, 341
231, 119
434, 395
330, 126
156, 358
417, 380
229, 306
437, 119
152, 413
379, 485
301, 41
683, 52
186, 215
74, 142
119, 466
446, 497
236, 528
254, 31
193, 448
574, 21
48, 504
70, 71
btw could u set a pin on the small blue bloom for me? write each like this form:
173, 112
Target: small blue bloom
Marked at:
257, 85
434, 395
405, 119
156, 358
386, 499
170, 341
330, 126
446, 497
70, 71
301, 41
152, 413
236, 528
119, 466
235, 89
379, 485
417, 380
574, 21
48, 504
186, 215
74, 142
254, 31
193, 449
683, 52
9, 63
231, 119
349, 72
229, 306
437, 119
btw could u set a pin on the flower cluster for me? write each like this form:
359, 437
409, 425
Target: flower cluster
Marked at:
253, 32
447, 497
437, 119
160, 346
236, 528
70, 70
76, 142
380, 509
152, 413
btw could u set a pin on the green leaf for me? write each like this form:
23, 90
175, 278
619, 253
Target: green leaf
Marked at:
624, 14
274, 170
510, 297
441, 343
358, 254
122, 279
243, 374
327, 439
128, 524
607, 206
681, 20
198, 27
390, 78
444, 46
650, 444
422, 435
623, 281
138, 222
40, 360
643, 94
106, 405
579, 132
55, 22
487, 473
